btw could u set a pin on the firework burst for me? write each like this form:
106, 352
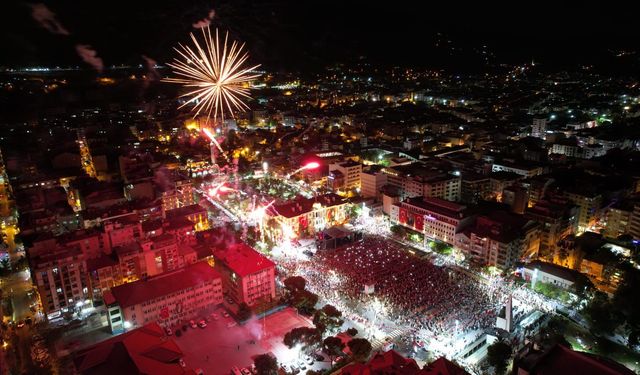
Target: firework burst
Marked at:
215, 75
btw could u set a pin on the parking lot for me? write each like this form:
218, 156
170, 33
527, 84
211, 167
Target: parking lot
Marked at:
217, 348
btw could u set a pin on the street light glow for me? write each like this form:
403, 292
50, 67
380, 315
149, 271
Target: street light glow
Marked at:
311, 165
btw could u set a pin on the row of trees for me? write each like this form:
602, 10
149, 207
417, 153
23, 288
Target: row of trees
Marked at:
622, 312
327, 322
298, 296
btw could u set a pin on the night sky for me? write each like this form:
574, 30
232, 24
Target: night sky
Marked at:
301, 34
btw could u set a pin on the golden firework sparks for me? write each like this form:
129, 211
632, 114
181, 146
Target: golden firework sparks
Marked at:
214, 74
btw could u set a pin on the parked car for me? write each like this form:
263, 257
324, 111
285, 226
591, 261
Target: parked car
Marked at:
245, 371
231, 324
192, 324
168, 331
202, 324
225, 314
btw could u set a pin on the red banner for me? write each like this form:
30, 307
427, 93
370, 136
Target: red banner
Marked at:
419, 222
403, 216
302, 220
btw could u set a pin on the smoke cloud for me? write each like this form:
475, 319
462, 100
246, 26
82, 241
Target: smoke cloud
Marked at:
47, 19
205, 21
90, 56
151, 68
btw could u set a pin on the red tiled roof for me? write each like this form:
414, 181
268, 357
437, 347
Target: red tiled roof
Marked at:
145, 350
384, 363
169, 282
304, 205
443, 366
242, 259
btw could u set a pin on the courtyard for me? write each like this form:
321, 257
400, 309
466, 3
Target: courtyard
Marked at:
223, 344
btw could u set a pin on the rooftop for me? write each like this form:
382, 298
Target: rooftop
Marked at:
185, 211
437, 205
553, 269
242, 259
301, 206
145, 350
561, 360
169, 282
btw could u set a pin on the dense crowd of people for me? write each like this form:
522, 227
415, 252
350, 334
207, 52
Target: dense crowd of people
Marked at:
413, 291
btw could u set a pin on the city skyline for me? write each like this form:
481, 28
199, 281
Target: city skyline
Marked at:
316, 34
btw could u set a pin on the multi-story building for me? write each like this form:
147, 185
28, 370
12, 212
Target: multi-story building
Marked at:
137, 260
194, 213
570, 148
437, 218
537, 187
304, 216
517, 197
350, 170
371, 183
588, 203
121, 231
498, 181
526, 170
416, 180
61, 278
160, 254
474, 187
620, 217
247, 275
500, 239
176, 193
166, 299
557, 221
539, 127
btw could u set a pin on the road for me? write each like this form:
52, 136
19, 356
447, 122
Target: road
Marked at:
17, 286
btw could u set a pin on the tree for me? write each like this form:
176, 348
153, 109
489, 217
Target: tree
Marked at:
266, 364
304, 301
498, 355
627, 304
360, 349
398, 230
333, 346
352, 332
599, 313
244, 312
302, 335
327, 318
295, 284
